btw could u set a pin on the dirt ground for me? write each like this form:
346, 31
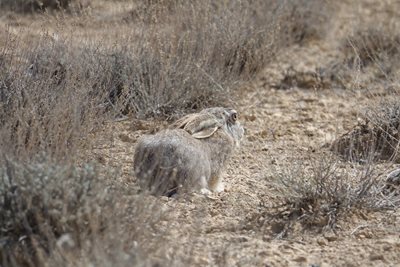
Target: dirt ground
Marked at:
283, 126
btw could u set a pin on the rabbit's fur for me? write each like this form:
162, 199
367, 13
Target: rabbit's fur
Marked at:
190, 154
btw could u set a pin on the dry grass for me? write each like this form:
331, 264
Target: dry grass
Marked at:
34, 5
41, 201
62, 214
315, 194
197, 59
372, 57
376, 138
48, 100
201, 55
373, 45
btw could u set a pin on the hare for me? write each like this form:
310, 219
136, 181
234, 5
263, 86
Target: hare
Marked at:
190, 155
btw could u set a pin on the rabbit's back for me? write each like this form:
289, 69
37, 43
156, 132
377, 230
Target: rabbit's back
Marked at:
169, 160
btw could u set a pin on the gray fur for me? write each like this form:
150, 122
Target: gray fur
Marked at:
182, 159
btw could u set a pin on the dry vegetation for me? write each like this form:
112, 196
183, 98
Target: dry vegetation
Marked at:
372, 56
63, 84
314, 195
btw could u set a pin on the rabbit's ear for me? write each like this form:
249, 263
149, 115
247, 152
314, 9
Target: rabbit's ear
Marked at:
198, 125
204, 133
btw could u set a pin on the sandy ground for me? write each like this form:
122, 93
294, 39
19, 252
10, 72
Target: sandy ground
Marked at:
283, 126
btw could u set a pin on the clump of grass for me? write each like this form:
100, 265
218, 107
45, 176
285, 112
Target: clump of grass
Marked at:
56, 213
314, 195
371, 56
41, 201
369, 59
34, 5
49, 99
216, 51
376, 138
204, 51
306, 20
373, 44
385, 120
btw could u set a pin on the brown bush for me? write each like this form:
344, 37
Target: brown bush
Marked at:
304, 20
53, 214
41, 201
195, 63
48, 101
34, 5
377, 138
315, 194
371, 45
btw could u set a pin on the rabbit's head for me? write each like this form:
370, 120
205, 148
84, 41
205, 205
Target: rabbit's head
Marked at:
205, 123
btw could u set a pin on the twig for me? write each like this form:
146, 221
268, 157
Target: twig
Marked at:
210, 77
358, 228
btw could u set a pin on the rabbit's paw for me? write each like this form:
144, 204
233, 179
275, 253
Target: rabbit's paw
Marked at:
205, 191
220, 187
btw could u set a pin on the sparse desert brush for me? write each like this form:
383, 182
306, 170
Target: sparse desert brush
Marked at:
315, 194
48, 99
372, 44
192, 63
204, 51
295, 21
376, 138
34, 5
196, 59
374, 50
304, 21
54, 213
369, 57
41, 201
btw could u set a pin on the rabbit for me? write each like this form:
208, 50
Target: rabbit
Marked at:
190, 154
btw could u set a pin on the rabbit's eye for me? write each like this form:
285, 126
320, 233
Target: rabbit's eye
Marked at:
234, 117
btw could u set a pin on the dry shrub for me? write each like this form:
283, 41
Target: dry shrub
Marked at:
53, 214
49, 99
315, 194
377, 138
296, 21
371, 56
195, 58
216, 49
194, 61
41, 201
34, 5
201, 50
373, 44
307, 20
